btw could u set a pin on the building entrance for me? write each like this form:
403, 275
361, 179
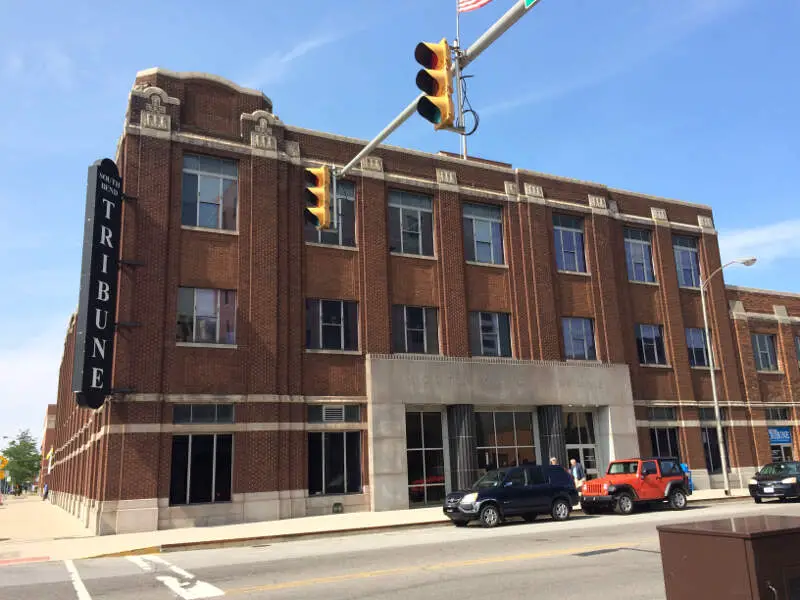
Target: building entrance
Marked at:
580, 440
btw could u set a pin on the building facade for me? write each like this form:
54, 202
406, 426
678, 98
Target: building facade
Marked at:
465, 315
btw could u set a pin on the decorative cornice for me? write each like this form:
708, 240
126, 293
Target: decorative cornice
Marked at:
658, 214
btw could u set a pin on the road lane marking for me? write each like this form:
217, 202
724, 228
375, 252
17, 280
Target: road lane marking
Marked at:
77, 582
186, 585
421, 568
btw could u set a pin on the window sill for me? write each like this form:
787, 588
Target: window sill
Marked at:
655, 366
209, 230
407, 255
326, 351
475, 263
493, 357
183, 504
336, 246
417, 353
762, 372
334, 494
650, 283
716, 369
582, 361
578, 273
689, 287
202, 345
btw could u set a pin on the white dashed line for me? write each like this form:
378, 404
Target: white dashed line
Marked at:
77, 582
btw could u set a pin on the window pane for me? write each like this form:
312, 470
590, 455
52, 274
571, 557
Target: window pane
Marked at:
229, 202
394, 230
181, 413
224, 413
571, 428
312, 325
179, 469
416, 471
209, 189
484, 429
487, 459
206, 330
434, 467
411, 243
352, 413
526, 455
435, 494
185, 315
227, 315
483, 252
414, 318
353, 467
497, 244
209, 164
332, 337
398, 328
189, 200
204, 413
504, 427
334, 462
432, 330
413, 430
202, 462
190, 161
314, 463
222, 481
483, 231
505, 334
432, 429
351, 326
229, 168
469, 240
416, 341
209, 216
206, 303
524, 427
331, 312
347, 225
475, 334
426, 233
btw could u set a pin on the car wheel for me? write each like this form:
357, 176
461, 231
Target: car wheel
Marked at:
756, 499
529, 518
460, 523
560, 510
624, 504
490, 516
677, 499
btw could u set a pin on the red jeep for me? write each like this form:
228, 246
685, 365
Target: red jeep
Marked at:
637, 481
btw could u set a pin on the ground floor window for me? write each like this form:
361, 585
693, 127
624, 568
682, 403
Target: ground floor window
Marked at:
425, 455
711, 448
664, 441
334, 462
580, 440
201, 469
504, 439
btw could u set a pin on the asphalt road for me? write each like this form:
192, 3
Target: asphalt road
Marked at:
594, 557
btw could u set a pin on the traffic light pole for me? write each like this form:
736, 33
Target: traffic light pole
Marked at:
459, 87
503, 24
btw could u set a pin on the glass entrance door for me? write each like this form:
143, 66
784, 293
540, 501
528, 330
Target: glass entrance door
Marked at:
580, 439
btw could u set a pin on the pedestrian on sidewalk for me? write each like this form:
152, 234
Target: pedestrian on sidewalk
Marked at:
578, 474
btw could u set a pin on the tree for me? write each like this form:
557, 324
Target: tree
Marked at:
24, 459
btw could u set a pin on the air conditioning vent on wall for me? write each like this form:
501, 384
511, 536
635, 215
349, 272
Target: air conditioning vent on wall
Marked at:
333, 414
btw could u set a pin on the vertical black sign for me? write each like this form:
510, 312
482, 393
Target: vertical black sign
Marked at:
97, 307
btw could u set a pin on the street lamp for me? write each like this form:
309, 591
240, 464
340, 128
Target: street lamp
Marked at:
723, 455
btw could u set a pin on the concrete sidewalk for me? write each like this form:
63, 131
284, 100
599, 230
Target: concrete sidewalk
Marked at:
37, 531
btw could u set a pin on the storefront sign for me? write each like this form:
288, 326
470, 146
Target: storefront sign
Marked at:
97, 306
780, 435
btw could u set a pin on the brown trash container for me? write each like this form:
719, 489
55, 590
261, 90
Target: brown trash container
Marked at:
754, 557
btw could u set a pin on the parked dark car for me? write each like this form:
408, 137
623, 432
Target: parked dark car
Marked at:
524, 491
776, 480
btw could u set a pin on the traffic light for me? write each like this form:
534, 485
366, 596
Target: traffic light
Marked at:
318, 197
436, 81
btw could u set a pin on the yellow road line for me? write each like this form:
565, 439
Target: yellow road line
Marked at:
436, 566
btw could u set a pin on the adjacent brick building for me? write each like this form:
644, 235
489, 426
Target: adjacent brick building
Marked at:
466, 314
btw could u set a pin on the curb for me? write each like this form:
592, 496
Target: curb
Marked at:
265, 539
7, 562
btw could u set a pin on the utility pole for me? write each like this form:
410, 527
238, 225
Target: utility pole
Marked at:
503, 24
459, 88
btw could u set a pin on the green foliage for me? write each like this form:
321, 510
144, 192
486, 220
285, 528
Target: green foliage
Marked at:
24, 459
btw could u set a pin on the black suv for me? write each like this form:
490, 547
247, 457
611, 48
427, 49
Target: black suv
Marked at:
525, 491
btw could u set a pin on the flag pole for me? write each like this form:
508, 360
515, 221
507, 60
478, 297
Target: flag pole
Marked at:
458, 81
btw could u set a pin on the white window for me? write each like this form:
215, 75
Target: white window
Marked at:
334, 462
687, 260
650, 344
345, 234
206, 316
331, 325
202, 467
489, 334
415, 329
410, 223
483, 233
578, 338
504, 439
209, 192
639, 255
696, 344
764, 352
568, 234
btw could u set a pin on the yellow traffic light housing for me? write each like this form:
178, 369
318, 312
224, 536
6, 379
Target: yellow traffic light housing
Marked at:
436, 82
318, 197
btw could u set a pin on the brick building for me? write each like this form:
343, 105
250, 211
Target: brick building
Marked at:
48, 444
466, 314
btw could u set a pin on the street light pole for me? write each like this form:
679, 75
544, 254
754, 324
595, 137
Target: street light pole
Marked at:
723, 453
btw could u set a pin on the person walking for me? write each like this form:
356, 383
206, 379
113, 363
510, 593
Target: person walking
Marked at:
578, 474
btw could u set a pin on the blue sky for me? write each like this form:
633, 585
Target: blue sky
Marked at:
689, 99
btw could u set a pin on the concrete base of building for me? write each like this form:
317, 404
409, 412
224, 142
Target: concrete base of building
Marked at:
738, 478
151, 514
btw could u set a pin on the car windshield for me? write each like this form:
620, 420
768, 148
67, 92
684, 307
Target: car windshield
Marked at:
781, 469
490, 479
623, 468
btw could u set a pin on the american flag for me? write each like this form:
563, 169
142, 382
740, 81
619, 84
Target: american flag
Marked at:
468, 5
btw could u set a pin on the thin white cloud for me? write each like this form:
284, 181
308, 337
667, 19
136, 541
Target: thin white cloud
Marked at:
665, 26
768, 243
275, 66
40, 65
29, 368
